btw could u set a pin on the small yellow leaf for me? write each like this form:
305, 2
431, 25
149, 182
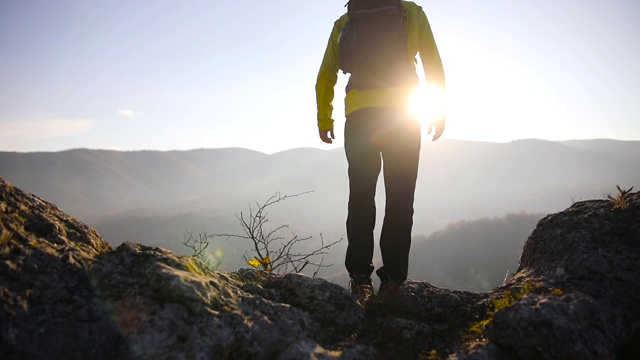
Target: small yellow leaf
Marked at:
253, 262
265, 261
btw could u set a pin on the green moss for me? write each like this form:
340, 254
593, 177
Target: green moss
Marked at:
507, 299
430, 355
19, 218
195, 266
557, 291
5, 237
480, 326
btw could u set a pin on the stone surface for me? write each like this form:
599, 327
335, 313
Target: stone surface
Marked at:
66, 294
579, 288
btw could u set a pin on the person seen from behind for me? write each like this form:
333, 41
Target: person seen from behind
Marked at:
377, 42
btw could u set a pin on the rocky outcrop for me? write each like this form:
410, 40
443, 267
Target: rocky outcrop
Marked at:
577, 290
66, 294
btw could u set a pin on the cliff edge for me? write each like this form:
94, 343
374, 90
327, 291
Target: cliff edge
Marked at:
67, 294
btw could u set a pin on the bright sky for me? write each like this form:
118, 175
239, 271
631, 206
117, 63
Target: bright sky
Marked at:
162, 75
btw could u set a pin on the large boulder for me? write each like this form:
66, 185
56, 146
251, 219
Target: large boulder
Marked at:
576, 294
66, 294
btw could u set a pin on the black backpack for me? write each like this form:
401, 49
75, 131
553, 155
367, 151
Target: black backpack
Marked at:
374, 46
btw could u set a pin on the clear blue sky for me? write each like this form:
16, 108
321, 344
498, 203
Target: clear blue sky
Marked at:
159, 74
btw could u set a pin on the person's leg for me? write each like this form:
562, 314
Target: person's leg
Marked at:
400, 161
364, 162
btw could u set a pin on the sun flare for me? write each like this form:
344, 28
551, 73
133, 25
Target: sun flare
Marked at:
427, 103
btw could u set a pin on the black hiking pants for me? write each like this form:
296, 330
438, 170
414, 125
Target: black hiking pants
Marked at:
375, 139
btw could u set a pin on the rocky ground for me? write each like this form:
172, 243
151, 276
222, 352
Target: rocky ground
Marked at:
66, 294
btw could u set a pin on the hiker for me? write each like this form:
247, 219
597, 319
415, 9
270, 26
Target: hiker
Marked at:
376, 42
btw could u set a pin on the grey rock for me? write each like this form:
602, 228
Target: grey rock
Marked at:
330, 305
578, 286
168, 304
308, 350
48, 308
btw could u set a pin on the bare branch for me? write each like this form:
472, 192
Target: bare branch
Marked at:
199, 244
274, 251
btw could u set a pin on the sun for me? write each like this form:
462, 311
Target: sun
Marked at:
427, 103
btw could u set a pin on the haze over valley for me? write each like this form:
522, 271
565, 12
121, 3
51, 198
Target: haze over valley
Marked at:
470, 195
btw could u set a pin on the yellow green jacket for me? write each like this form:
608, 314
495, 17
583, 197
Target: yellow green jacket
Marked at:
420, 41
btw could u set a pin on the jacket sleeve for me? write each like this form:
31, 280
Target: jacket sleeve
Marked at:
326, 81
431, 62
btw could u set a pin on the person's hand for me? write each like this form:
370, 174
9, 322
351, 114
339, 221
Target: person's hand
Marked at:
327, 136
437, 127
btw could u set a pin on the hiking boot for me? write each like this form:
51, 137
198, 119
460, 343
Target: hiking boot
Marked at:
362, 289
389, 290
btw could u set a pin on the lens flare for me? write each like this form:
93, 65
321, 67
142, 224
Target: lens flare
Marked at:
380, 137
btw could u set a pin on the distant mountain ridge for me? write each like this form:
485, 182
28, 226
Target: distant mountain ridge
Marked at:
92, 183
203, 189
